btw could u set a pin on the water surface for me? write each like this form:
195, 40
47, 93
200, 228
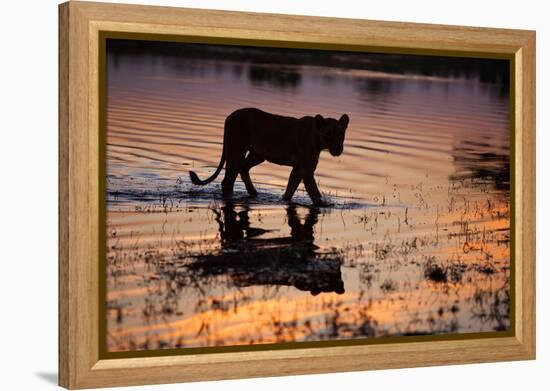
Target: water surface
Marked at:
417, 242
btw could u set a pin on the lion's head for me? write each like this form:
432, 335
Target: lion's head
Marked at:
332, 133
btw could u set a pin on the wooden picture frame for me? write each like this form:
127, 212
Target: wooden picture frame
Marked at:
80, 27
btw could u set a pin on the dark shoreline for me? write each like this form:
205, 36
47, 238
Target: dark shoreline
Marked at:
492, 71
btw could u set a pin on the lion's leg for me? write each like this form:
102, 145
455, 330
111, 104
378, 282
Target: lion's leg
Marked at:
293, 182
312, 189
235, 153
253, 159
231, 172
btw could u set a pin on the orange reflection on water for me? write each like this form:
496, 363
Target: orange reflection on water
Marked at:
417, 242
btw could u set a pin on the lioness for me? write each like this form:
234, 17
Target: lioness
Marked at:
288, 141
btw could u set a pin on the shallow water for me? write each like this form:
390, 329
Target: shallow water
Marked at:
417, 242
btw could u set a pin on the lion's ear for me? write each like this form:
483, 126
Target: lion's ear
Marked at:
319, 120
344, 120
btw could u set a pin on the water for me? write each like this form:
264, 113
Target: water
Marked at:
417, 242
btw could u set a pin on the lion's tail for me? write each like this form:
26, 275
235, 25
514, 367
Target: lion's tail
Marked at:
196, 180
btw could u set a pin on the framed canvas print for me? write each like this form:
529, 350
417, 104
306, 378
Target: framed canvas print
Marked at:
251, 195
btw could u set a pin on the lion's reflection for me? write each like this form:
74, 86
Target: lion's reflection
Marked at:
250, 259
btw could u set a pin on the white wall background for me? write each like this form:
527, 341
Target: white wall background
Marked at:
28, 195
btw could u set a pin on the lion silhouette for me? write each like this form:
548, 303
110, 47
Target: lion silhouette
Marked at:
252, 136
